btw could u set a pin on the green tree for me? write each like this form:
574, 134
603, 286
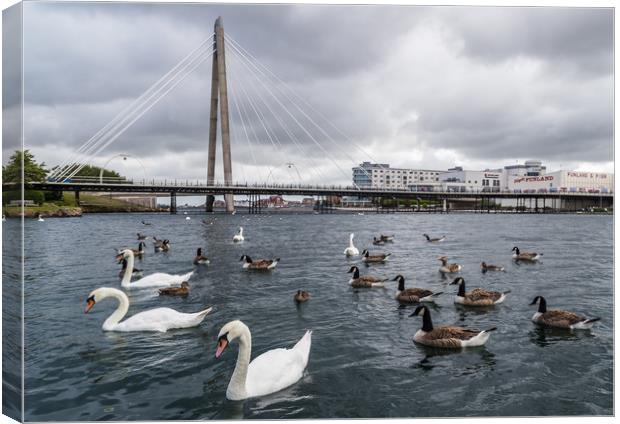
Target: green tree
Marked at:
93, 171
33, 172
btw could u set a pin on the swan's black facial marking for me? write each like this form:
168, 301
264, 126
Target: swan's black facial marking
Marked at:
222, 344
90, 302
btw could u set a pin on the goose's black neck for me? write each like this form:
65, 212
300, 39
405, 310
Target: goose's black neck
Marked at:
356, 273
427, 324
462, 289
542, 306
401, 284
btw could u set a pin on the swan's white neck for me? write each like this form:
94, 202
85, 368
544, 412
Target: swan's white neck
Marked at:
128, 271
351, 242
237, 388
120, 312
240, 231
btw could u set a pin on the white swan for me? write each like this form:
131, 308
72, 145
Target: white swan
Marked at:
40, 219
159, 279
351, 250
158, 319
269, 372
239, 237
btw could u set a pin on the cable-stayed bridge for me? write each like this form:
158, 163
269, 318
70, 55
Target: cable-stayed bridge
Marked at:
267, 122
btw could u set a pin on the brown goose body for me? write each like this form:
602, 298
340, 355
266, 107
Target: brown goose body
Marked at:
367, 257
488, 267
477, 297
446, 267
301, 296
450, 337
560, 319
525, 256
200, 259
364, 281
259, 264
377, 242
413, 294
176, 291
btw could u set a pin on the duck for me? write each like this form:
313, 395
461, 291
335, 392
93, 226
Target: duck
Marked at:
448, 268
487, 267
301, 296
158, 319
158, 279
477, 297
525, 256
146, 223
377, 242
381, 257
364, 281
199, 259
237, 238
386, 239
450, 337
259, 264
560, 319
269, 372
351, 250
434, 240
413, 294
176, 291
141, 237
135, 272
161, 245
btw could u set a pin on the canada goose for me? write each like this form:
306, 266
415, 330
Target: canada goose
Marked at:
413, 294
381, 257
558, 318
364, 281
199, 259
477, 297
140, 250
239, 236
451, 337
134, 273
387, 239
176, 291
434, 240
525, 256
446, 267
146, 223
141, 237
161, 245
377, 242
301, 296
486, 267
260, 264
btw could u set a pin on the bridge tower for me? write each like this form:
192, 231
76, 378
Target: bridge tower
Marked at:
219, 93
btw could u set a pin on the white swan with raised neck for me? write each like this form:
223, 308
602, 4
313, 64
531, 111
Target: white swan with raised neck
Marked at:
351, 250
269, 372
158, 319
158, 279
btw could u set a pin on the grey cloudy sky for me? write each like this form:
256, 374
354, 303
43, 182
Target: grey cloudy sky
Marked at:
428, 87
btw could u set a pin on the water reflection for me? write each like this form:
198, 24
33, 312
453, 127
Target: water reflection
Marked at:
467, 361
546, 336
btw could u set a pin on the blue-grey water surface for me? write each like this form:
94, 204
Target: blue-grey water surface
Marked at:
363, 362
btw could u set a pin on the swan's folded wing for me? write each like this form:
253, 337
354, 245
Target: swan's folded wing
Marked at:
158, 319
160, 279
274, 370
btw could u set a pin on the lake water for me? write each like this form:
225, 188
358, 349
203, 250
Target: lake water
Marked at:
363, 362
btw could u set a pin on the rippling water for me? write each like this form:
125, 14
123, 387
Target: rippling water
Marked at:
363, 362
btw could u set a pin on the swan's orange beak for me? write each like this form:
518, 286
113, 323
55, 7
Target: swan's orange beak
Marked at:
222, 343
89, 304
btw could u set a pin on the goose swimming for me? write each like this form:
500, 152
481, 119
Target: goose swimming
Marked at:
558, 318
377, 242
301, 296
176, 291
364, 281
158, 319
525, 256
380, 257
141, 237
259, 264
351, 250
487, 267
199, 259
269, 372
237, 238
450, 337
158, 279
477, 297
413, 294
386, 238
447, 268
434, 240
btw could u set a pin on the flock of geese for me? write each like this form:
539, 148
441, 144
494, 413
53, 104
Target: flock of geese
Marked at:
277, 369
453, 336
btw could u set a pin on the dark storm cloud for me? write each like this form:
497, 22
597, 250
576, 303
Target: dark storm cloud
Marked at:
487, 83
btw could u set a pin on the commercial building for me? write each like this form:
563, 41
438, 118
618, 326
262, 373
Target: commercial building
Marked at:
460, 180
380, 175
564, 181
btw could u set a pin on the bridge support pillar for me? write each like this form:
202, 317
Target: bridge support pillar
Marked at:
444, 206
173, 203
77, 197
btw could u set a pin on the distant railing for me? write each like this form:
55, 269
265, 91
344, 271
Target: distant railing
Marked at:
239, 185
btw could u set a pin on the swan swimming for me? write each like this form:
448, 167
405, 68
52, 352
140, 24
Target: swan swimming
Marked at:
158, 319
40, 219
351, 250
239, 236
269, 372
159, 279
